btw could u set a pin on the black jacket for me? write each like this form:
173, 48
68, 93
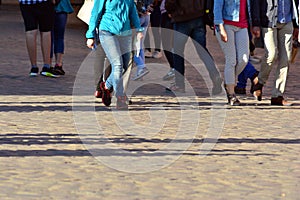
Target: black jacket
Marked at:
185, 10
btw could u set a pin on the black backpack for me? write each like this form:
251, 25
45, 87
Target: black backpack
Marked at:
209, 14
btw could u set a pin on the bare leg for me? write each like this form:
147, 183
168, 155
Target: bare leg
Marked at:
31, 37
58, 58
46, 46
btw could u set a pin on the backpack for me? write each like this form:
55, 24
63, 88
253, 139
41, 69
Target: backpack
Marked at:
209, 14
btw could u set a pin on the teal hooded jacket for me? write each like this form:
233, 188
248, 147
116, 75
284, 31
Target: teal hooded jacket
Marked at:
116, 17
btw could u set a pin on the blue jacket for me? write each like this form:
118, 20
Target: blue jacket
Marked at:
64, 6
229, 10
117, 17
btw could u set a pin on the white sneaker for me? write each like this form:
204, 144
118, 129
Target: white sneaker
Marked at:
148, 54
140, 73
157, 54
169, 75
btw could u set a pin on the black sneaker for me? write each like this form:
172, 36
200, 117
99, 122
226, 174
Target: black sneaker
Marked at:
59, 70
49, 72
34, 71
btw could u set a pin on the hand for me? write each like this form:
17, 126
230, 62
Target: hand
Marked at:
90, 43
139, 35
223, 33
256, 31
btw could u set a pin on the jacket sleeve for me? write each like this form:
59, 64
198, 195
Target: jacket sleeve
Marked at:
98, 8
218, 12
134, 18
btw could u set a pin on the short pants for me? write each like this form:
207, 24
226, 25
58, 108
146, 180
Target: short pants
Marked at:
38, 16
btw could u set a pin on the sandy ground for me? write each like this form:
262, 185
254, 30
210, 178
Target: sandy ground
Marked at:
58, 145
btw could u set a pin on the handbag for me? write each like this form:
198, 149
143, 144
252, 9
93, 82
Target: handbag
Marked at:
85, 11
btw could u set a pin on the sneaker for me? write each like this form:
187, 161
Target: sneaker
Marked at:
169, 75
34, 71
157, 54
106, 95
140, 73
49, 72
59, 70
98, 92
148, 54
254, 59
233, 100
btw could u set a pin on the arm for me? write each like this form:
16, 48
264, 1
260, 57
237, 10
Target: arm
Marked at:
218, 19
255, 13
134, 17
95, 16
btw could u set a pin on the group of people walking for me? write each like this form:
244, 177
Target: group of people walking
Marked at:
49, 18
276, 22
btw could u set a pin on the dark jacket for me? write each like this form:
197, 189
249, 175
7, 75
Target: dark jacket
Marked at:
185, 10
264, 12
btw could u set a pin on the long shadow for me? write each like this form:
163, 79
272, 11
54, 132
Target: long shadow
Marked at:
46, 139
93, 139
112, 152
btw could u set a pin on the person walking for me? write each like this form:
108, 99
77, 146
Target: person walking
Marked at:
167, 40
144, 10
62, 9
114, 19
38, 16
277, 32
231, 19
188, 20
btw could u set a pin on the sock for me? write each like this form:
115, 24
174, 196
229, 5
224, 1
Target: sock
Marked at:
33, 66
47, 66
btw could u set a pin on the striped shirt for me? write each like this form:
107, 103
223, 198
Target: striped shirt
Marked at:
28, 2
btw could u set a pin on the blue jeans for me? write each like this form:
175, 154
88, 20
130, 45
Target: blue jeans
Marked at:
58, 33
117, 50
140, 60
248, 72
196, 29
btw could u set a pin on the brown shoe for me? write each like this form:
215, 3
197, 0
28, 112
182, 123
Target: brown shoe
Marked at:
280, 101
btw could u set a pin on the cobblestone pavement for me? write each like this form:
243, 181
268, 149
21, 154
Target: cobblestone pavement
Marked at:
58, 145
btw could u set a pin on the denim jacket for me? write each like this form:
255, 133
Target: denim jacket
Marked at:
264, 12
229, 10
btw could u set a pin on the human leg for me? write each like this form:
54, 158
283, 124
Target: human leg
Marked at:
270, 40
284, 55
180, 38
155, 19
31, 43
229, 50
58, 39
167, 38
198, 35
